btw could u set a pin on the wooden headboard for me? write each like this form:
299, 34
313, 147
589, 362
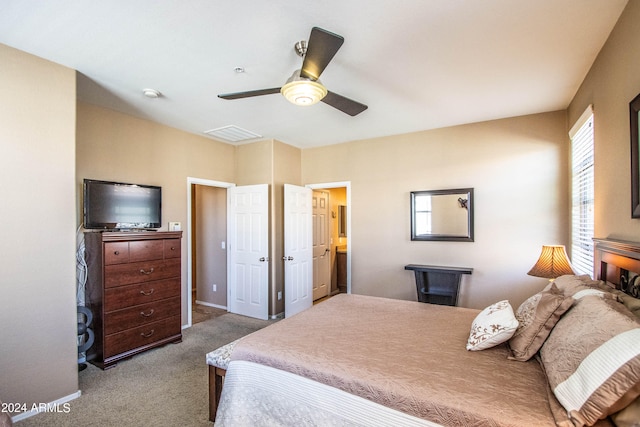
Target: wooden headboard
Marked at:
618, 262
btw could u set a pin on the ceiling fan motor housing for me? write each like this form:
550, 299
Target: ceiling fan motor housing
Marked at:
301, 48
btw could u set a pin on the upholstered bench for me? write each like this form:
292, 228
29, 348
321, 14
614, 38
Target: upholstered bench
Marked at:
218, 361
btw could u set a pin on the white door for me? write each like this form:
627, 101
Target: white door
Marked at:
321, 245
248, 250
298, 250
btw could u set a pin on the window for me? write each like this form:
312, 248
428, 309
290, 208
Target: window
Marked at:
423, 214
582, 172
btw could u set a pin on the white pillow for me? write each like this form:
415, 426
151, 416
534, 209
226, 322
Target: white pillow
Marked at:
494, 325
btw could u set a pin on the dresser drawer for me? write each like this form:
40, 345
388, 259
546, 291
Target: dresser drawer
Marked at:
138, 272
146, 250
116, 253
119, 320
130, 339
172, 248
141, 293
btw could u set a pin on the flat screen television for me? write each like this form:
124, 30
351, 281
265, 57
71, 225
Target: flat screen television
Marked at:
121, 206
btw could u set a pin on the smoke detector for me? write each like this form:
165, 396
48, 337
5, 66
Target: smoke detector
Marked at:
151, 93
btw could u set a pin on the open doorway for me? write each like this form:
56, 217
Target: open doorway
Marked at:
206, 249
338, 234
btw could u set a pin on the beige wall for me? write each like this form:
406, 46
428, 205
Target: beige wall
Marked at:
117, 147
38, 351
614, 80
518, 168
254, 163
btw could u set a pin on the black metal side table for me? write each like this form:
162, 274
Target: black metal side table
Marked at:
437, 284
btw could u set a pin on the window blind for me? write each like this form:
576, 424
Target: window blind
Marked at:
582, 212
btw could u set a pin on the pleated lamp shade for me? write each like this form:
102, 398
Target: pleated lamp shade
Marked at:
553, 262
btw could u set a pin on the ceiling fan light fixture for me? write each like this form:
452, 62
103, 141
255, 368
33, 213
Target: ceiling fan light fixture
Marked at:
301, 91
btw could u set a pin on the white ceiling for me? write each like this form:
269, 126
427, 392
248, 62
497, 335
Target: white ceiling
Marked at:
417, 64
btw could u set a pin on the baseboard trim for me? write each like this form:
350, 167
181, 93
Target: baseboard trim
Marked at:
208, 304
55, 406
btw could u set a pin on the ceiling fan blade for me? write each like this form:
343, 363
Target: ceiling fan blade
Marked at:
321, 48
346, 105
250, 93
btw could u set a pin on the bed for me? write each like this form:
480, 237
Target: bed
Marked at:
361, 360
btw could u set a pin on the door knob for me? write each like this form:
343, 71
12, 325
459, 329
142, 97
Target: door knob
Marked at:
287, 258
263, 259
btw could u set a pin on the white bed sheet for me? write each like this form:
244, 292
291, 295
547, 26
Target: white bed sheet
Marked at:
257, 395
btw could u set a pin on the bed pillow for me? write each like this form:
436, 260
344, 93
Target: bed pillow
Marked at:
592, 359
567, 282
629, 416
494, 325
536, 317
632, 303
580, 286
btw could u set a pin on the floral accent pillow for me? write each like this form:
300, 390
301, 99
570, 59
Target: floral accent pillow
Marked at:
494, 325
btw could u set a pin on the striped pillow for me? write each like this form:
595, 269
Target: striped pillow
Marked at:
592, 359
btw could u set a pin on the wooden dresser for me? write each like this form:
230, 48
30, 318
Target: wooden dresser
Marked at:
133, 289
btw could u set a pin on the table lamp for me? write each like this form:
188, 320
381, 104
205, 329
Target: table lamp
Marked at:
553, 262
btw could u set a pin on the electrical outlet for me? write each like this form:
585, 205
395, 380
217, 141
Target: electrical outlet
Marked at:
223, 245
215, 288
279, 295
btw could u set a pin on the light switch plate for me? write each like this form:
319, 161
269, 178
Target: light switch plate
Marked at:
175, 226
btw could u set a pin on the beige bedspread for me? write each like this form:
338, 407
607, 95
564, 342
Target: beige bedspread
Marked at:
405, 355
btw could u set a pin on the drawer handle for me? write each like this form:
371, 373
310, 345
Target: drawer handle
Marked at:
116, 252
147, 293
172, 248
142, 313
146, 272
147, 335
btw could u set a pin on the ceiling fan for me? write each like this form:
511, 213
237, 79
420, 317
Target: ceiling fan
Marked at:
303, 87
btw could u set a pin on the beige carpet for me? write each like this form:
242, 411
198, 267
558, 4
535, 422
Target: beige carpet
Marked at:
167, 386
200, 313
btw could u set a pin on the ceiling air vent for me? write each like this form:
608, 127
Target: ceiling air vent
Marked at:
232, 133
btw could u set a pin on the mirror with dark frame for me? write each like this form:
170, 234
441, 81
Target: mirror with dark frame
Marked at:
634, 112
342, 221
444, 215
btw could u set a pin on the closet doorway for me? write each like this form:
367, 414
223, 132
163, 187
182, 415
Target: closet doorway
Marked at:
206, 248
